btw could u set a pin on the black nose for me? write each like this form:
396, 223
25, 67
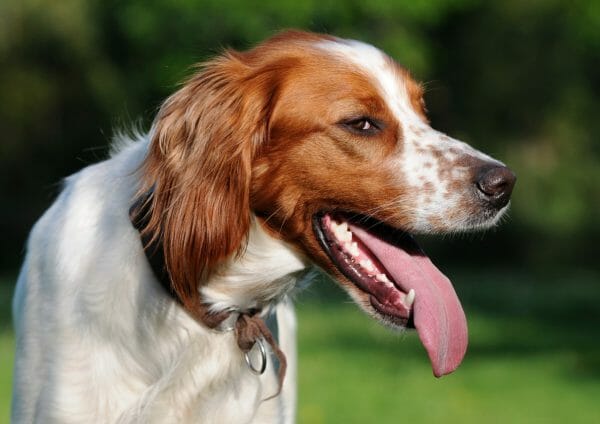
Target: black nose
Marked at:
496, 183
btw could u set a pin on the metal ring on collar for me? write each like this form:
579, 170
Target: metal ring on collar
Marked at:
228, 323
263, 359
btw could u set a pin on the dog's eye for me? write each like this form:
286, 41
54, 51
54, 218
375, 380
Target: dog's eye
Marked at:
365, 126
362, 125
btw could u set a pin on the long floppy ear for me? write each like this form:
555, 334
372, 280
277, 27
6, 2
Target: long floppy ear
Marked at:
197, 171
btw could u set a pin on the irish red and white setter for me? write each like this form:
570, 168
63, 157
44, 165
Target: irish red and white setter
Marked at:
145, 288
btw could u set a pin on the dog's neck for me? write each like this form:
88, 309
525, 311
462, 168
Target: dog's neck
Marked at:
261, 276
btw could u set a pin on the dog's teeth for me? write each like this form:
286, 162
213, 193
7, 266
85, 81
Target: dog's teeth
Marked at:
367, 264
410, 298
383, 278
341, 231
343, 234
352, 248
337, 232
347, 236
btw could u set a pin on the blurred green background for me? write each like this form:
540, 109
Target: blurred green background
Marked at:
517, 79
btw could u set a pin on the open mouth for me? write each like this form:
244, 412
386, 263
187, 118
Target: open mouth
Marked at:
402, 285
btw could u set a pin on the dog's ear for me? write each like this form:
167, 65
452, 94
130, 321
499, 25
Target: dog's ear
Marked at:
198, 168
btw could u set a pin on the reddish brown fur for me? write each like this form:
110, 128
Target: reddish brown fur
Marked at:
199, 163
261, 131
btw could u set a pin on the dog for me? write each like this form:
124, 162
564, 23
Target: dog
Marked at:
146, 285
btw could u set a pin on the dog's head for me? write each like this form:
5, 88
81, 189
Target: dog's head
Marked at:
325, 141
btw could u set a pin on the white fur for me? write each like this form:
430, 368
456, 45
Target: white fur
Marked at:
99, 340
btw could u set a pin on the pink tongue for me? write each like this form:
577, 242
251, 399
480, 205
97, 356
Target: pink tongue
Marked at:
437, 313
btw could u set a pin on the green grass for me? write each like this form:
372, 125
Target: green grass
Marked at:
534, 357
6, 360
